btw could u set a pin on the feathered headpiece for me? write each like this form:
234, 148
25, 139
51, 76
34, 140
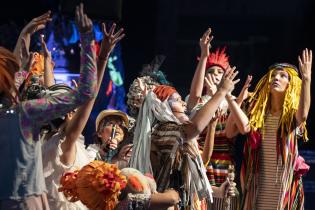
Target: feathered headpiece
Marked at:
150, 77
260, 99
218, 58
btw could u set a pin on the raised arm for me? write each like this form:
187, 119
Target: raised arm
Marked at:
305, 66
36, 24
204, 115
238, 123
209, 142
198, 79
49, 79
76, 125
51, 107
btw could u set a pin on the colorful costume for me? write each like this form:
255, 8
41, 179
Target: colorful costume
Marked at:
223, 148
176, 163
21, 173
282, 174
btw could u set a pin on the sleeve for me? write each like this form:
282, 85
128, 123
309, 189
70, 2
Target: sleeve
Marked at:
51, 107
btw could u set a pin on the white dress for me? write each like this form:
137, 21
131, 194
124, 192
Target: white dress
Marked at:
54, 169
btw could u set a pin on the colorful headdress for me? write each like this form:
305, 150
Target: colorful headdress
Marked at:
218, 58
164, 91
37, 67
150, 76
260, 99
97, 185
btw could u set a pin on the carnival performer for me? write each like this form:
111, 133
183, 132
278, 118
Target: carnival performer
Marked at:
102, 186
22, 183
111, 136
272, 168
65, 150
150, 77
165, 142
217, 155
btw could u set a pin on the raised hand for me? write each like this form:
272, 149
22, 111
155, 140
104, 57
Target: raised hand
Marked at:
37, 23
305, 64
26, 57
228, 83
49, 78
84, 23
46, 52
244, 92
204, 43
110, 39
210, 86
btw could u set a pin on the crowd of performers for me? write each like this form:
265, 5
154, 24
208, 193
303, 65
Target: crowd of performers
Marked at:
168, 153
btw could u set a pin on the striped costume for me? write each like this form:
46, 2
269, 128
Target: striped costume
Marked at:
223, 152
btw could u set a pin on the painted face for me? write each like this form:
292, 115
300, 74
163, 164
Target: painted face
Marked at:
105, 133
178, 107
216, 74
279, 81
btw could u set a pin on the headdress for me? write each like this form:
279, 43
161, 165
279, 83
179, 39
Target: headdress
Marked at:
150, 76
218, 58
260, 99
97, 185
37, 67
109, 112
164, 91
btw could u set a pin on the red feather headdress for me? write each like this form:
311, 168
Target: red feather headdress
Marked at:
218, 58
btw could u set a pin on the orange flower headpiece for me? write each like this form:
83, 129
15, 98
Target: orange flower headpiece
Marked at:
164, 91
218, 58
97, 185
37, 67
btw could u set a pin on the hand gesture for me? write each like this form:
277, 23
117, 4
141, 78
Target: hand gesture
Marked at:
37, 24
227, 83
305, 64
46, 52
110, 40
210, 86
125, 152
204, 43
244, 92
83, 22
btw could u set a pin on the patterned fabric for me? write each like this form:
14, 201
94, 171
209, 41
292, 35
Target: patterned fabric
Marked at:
177, 164
222, 154
291, 195
269, 189
53, 107
223, 149
135, 202
21, 174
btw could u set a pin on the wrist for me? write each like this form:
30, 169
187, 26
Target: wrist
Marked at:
203, 56
306, 78
223, 91
103, 56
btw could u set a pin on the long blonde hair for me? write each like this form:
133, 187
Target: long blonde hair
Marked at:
260, 100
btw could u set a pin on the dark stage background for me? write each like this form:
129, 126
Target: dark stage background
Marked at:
256, 33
